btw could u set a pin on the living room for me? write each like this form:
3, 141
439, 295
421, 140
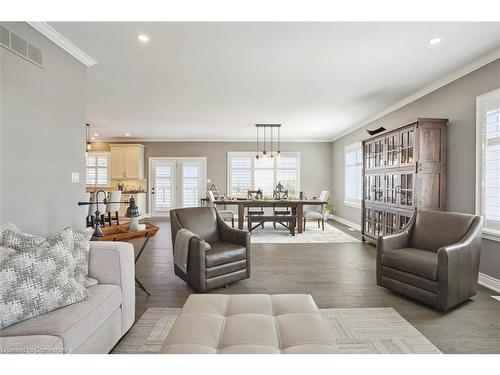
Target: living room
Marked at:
250, 187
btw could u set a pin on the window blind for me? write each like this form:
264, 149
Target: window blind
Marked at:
489, 176
353, 174
97, 169
247, 173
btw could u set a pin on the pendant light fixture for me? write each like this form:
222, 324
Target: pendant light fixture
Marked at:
88, 145
268, 128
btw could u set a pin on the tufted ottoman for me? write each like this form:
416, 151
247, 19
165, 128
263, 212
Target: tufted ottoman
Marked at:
249, 323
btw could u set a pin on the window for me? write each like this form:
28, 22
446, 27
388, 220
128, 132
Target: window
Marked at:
488, 162
247, 173
353, 178
98, 169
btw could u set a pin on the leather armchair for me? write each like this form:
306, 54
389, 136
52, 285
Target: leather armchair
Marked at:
433, 259
228, 258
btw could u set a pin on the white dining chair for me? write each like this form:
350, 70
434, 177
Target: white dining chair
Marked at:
317, 214
113, 208
226, 215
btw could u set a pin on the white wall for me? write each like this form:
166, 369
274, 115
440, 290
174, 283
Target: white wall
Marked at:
42, 137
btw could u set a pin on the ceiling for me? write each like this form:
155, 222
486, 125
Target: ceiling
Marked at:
214, 81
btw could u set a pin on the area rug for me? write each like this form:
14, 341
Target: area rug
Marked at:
356, 331
312, 234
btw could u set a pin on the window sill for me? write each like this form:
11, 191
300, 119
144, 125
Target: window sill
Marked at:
492, 235
353, 205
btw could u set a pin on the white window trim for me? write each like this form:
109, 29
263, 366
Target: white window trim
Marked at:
252, 167
348, 202
489, 234
108, 154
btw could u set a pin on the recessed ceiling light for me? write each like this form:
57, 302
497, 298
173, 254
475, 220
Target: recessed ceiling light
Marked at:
127, 134
93, 138
96, 135
434, 41
143, 38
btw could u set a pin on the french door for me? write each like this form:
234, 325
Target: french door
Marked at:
175, 183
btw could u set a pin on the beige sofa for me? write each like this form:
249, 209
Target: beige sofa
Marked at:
91, 326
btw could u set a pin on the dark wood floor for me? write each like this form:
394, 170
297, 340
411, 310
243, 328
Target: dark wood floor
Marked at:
336, 275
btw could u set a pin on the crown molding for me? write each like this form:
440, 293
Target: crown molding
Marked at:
61, 41
469, 68
173, 140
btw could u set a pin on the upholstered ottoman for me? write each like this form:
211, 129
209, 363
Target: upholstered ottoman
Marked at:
249, 323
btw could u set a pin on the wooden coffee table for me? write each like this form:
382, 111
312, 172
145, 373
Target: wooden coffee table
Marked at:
123, 234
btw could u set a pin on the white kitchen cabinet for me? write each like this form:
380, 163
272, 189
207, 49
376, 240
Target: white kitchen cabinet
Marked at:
127, 161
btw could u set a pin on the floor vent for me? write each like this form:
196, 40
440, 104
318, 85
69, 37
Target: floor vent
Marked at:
20, 46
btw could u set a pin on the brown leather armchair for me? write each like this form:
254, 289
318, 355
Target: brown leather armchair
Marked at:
434, 259
227, 260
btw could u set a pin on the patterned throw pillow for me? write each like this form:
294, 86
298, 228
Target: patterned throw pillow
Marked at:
40, 280
81, 249
4, 228
81, 253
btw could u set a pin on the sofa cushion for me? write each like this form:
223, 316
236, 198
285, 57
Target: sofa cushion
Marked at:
74, 323
38, 280
422, 263
435, 229
251, 323
224, 252
33, 344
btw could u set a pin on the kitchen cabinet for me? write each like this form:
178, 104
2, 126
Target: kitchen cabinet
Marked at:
127, 161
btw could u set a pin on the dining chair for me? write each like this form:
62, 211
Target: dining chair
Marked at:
226, 215
317, 214
113, 208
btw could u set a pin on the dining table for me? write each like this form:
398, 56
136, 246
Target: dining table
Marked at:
296, 205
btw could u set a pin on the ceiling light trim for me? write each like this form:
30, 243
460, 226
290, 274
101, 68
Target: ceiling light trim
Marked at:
61, 41
469, 68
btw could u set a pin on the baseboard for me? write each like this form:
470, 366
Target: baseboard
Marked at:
345, 222
489, 282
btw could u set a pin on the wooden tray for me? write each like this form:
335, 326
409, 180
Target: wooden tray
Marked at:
122, 233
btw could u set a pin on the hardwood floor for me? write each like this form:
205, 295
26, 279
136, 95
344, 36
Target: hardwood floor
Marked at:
336, 275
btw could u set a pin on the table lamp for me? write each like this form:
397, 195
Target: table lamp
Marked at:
133, 213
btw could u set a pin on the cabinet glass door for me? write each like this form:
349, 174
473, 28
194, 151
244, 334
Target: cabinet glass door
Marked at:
391, 189
407, 146
368, 155
378, 153
406, 187
378, 189
391, 222
392, 150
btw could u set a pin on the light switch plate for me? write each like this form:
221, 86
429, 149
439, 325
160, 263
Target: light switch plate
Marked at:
75, 177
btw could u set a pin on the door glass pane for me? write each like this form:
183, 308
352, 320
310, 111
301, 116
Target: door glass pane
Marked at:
190, 184
163, 187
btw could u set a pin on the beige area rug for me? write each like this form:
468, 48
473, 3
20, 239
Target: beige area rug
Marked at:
356, 331
312, 234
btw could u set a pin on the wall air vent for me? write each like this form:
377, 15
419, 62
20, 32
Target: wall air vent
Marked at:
20, 46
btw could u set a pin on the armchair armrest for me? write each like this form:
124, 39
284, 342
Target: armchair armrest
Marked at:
238, 236
458, 266
113, 263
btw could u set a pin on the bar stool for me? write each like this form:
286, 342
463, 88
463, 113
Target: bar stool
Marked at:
113, 208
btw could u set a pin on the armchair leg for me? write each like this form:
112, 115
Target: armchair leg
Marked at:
318, 222
109, 218
232, 222
117, 220
304, 224
323, 224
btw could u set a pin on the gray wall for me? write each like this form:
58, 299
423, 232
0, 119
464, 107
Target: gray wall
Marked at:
43, 137
457, 102
315, 159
